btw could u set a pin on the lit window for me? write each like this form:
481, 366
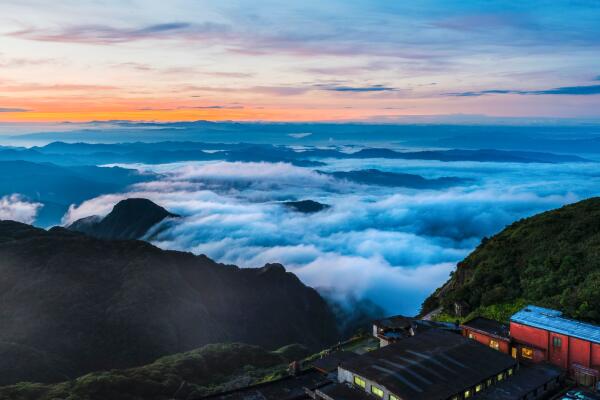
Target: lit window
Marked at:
494, 344
467, 394
454, 398
526, 352
478, 388
489, 382
376, 391
500, 377
471, 336
510, 372
360, 382
513, 352
392, 397
556, 342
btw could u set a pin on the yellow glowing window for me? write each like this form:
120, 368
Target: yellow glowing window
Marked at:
392, 397
500, 377
467, 394
471, 336
360, 382
376, 391
510, 372
527, 352
478, 388
513, 352
494, 344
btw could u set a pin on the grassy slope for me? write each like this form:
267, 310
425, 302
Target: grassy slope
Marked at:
551, 259
212, 368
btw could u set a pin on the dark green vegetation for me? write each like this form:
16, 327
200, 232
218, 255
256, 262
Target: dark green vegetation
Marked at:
551, 259
57, 187
81, 304
395, 179
306, 206
129, 219
212, 368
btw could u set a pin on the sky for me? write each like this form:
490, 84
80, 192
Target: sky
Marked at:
337, 60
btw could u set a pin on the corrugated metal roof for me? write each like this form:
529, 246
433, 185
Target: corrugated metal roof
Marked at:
552, 320
434, 364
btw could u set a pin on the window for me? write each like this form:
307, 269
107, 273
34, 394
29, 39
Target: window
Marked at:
494, 344
392, 397
500, 376
526, 352
454, 398
513, 352
478, 388
360, 382
489, 382
471, 336
467, 394
510, 372
376, 391
556, 342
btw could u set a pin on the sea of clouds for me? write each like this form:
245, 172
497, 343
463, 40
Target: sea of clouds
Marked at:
393, 246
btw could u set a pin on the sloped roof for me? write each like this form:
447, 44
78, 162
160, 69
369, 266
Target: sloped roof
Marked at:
489, 326
552, 320
432, 365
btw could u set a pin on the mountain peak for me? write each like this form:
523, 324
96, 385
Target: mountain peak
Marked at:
129, 219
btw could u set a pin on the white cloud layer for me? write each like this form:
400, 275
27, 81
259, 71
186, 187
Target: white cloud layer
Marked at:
15, 208
391, 245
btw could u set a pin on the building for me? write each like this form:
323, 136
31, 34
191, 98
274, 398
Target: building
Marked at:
434, 364
488, 332
392, 329
541, 334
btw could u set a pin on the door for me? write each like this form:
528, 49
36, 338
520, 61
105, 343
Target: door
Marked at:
556, 351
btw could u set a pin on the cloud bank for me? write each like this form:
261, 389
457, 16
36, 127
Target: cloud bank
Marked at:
16, 208
392, 246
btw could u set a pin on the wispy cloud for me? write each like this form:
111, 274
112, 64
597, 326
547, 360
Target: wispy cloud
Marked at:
359, 89
105, 34
565, 90
12, 110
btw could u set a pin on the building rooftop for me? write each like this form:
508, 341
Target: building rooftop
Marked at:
552, 320
526, 380
330, 362
288, 388
490, 326
434, 364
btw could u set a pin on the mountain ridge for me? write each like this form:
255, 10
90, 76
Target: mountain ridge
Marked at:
100, 304
550, 259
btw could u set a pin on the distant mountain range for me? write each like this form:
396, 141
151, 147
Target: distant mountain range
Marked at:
541, 135
165, 152
395, 179
72, 304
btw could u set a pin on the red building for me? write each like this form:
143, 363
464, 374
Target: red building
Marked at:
488, 332
541, 334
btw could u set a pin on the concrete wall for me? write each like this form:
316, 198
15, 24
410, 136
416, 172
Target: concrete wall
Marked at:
347, 376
